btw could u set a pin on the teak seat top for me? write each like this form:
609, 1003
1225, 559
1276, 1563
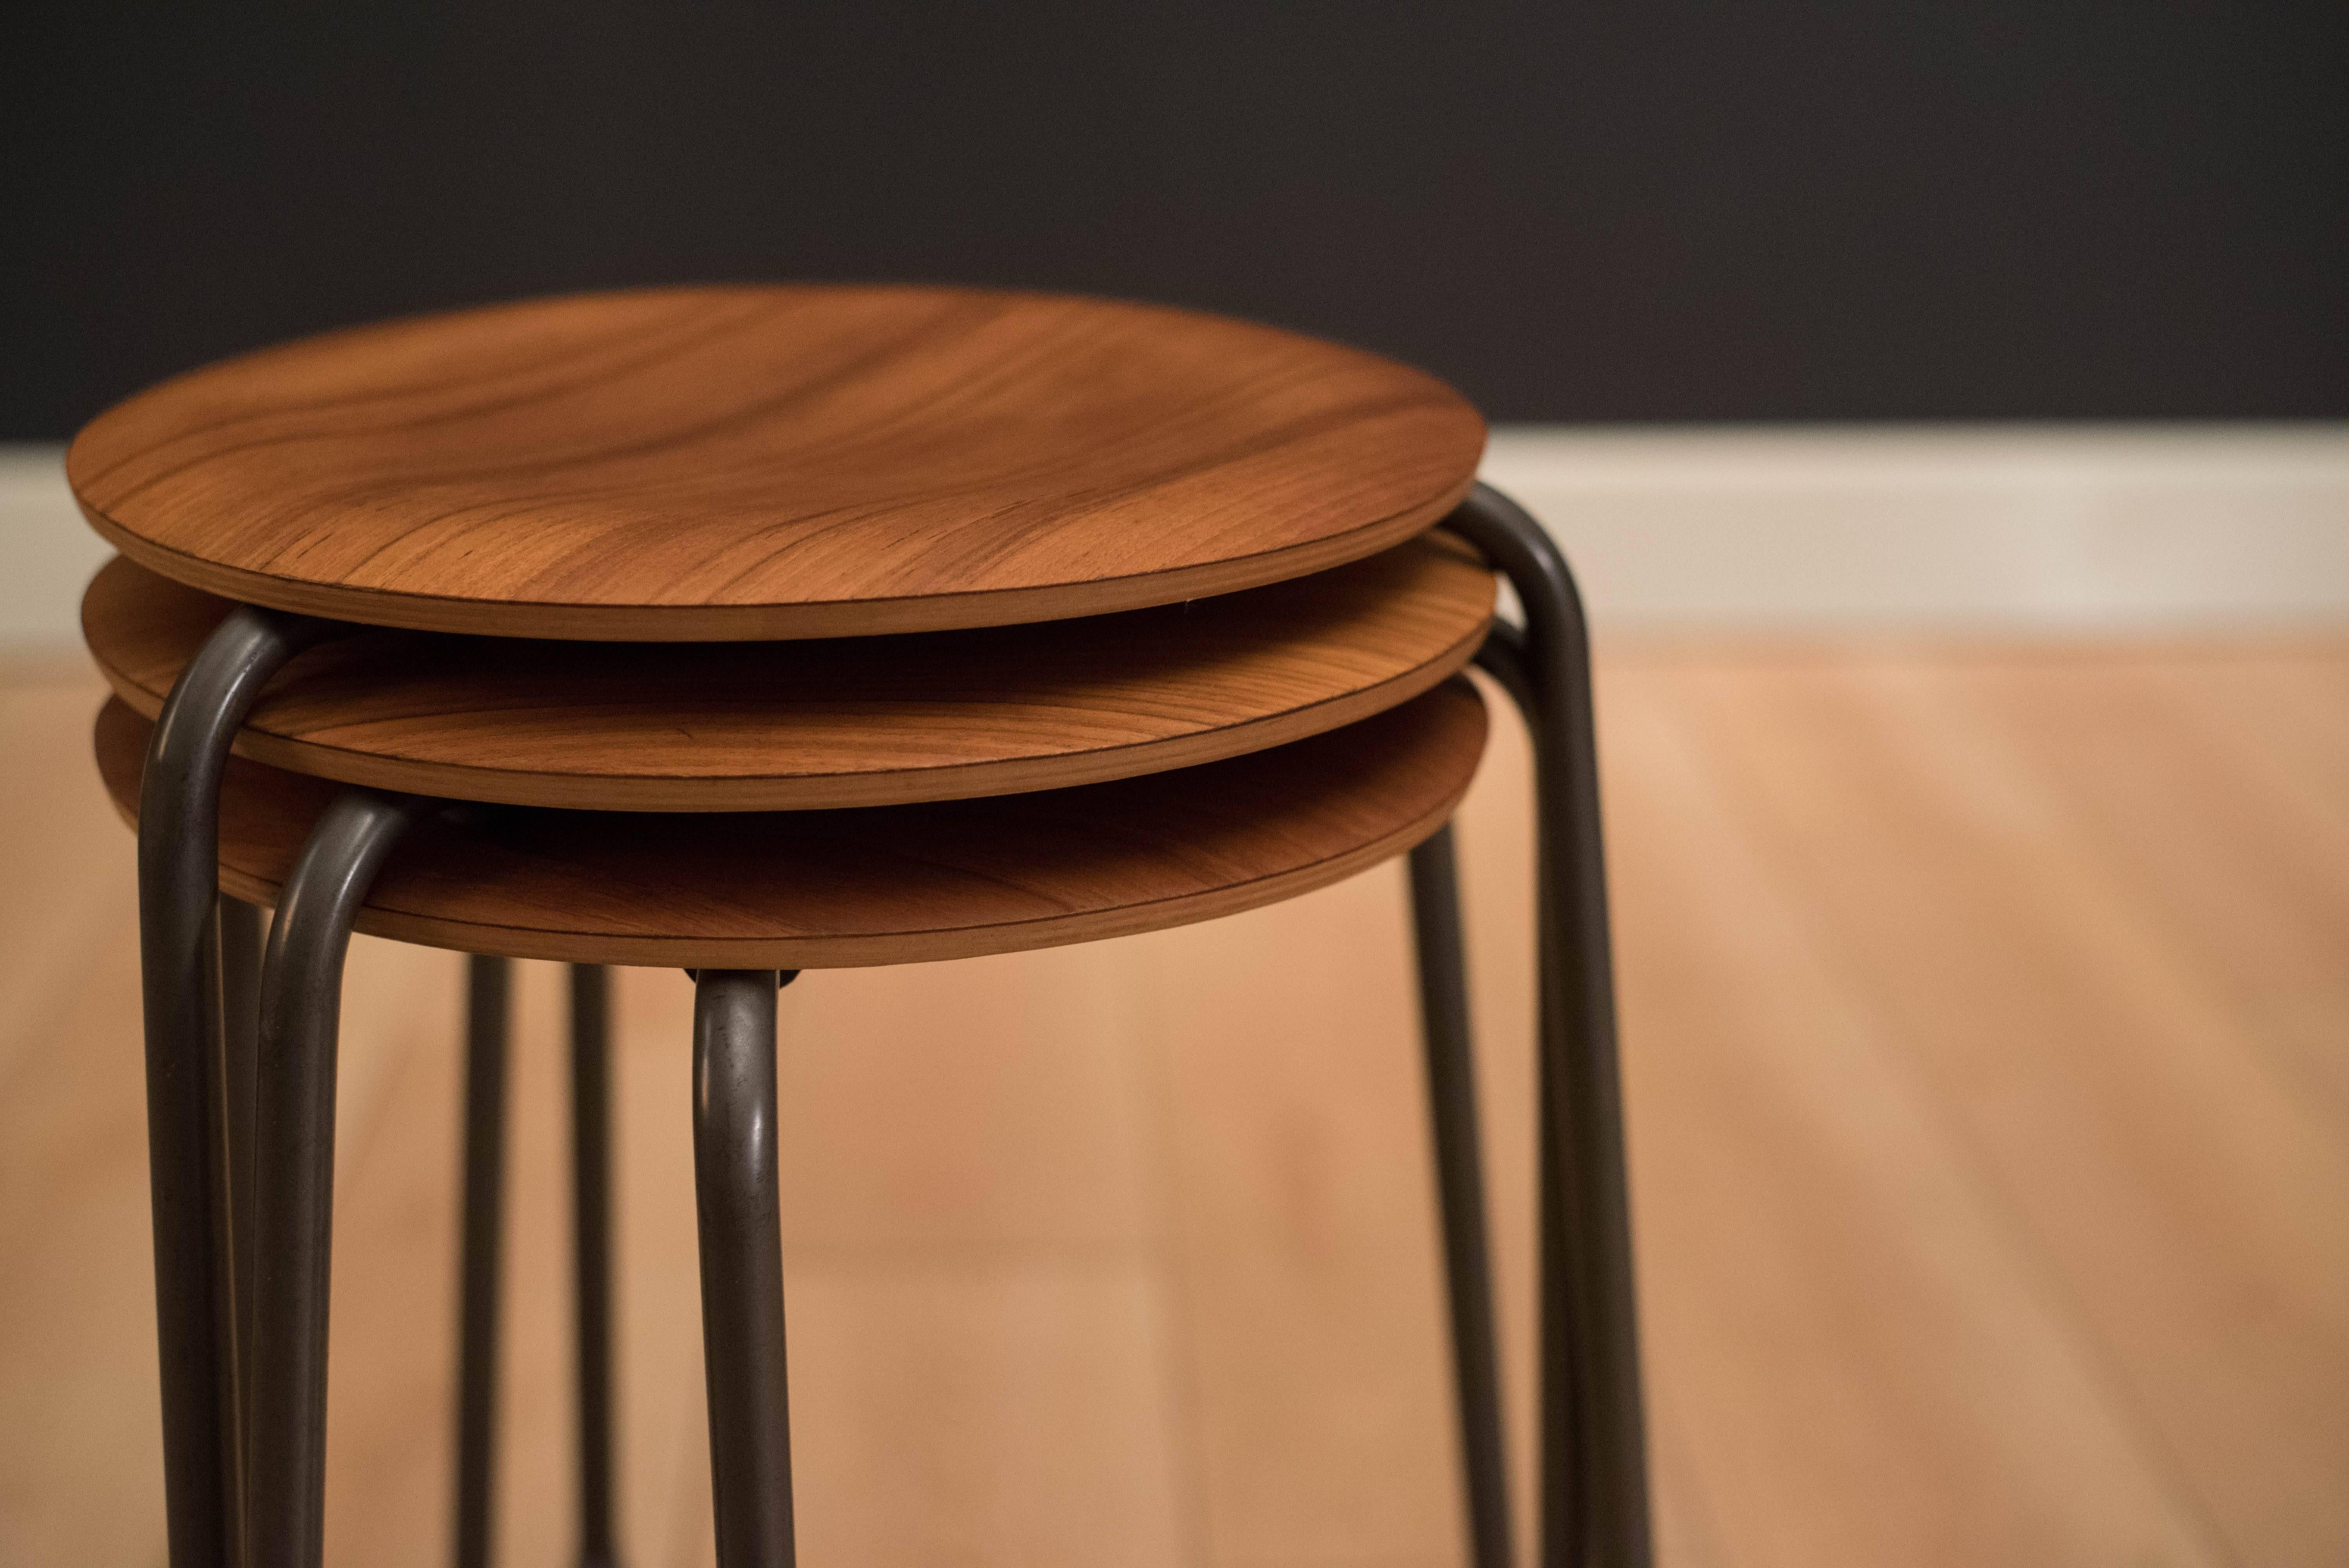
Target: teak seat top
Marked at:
715, 463
891, 884
738, 727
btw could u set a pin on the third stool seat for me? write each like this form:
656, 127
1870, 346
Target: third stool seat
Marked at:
870, 885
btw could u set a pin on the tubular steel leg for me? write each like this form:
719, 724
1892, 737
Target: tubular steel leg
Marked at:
488, 986
240, 960
186, 1143
591, 1187
294, 1161
1460, 1189
741, 1265
1593, 1440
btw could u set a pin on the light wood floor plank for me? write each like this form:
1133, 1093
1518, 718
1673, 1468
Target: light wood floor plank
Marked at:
1819, 1258
2194, 1208
1302, 1236
1005, 1414
983, 1108
393, 1338
2239, 859
80, 1443
70, 868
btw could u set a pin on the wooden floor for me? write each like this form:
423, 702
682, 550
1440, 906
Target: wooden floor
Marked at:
1987, 1018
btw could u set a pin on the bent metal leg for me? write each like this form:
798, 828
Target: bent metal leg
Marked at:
196, 1292
294, 1158
1594, 1486
1460, 1192
737, 1194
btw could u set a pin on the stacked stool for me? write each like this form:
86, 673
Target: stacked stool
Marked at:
754, 630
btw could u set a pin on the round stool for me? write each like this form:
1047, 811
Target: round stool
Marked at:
752, 630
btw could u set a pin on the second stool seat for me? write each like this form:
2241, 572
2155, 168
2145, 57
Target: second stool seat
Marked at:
750, 727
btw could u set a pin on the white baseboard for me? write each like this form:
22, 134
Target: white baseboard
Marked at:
48, 551
1964, 528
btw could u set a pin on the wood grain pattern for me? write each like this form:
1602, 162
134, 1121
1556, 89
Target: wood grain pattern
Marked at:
1827, 1261
735, 727
895, 885
705, 464
1960, 826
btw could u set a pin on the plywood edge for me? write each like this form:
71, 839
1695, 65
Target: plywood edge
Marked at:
776, 623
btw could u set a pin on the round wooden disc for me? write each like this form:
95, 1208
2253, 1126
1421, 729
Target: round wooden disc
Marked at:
889, 884
747, 726
704, 464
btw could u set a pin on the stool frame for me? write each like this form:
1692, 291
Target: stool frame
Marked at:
240, 1084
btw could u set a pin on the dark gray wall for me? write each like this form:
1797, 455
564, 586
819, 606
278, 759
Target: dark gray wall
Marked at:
1635, 210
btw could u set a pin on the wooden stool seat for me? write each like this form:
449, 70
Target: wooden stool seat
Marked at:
709, 464
895, 885
743, 726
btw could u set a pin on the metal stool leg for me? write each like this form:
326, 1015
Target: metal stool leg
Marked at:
1594, 1453
179, 882
294, 1160
1460, 1190
488, 988
741, 1265
591, 1187
241, 938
